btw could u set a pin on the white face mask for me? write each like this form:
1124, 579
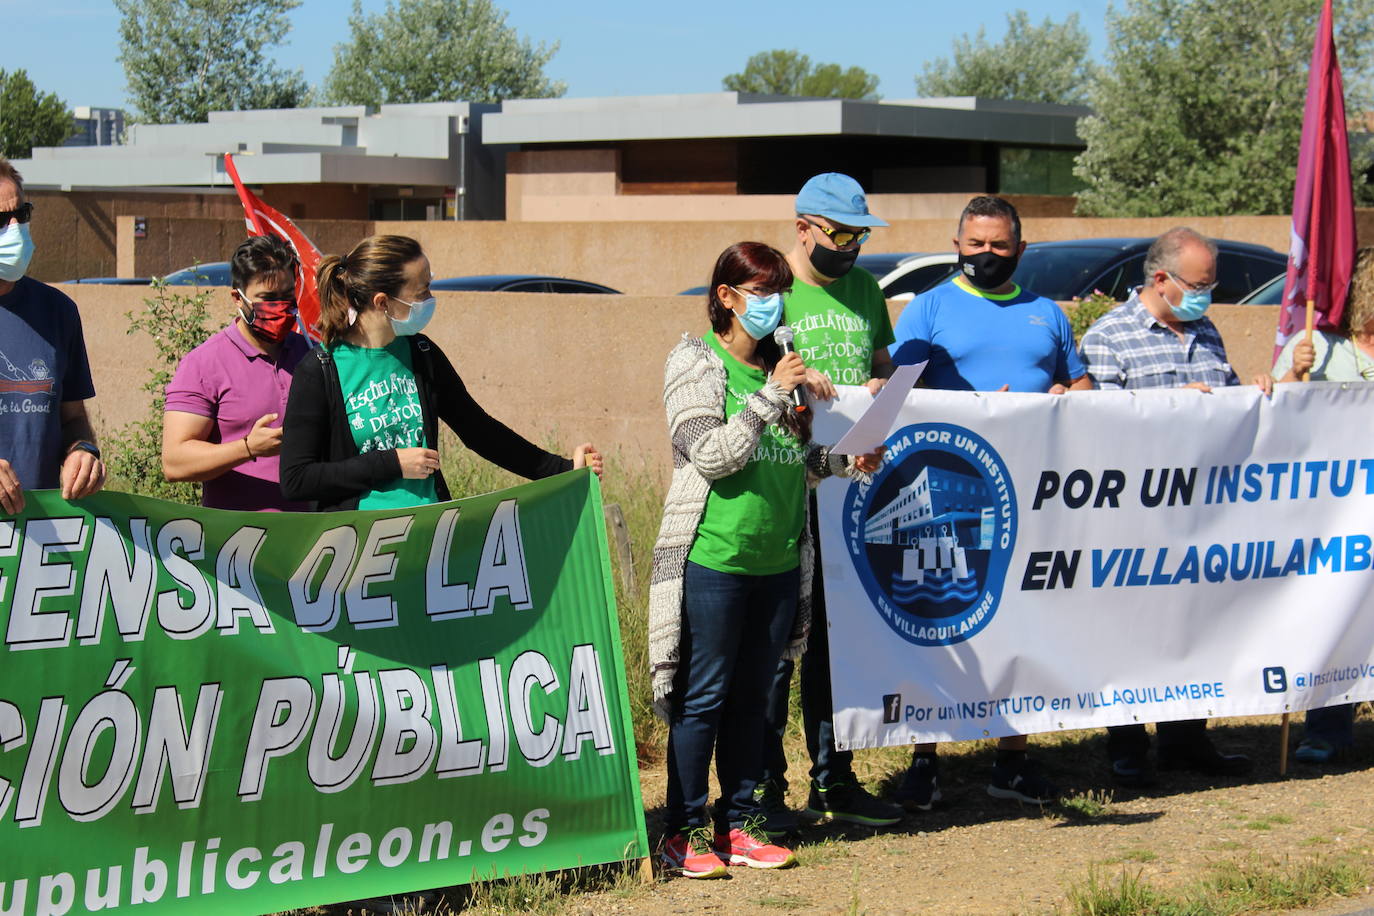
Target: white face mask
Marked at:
16, 251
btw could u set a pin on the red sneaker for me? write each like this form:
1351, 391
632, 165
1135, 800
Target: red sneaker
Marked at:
681, 853
748, 845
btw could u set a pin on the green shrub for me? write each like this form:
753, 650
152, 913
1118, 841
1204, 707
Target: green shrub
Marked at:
177, 323
1087, 310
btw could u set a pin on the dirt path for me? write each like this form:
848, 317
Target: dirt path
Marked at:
977, 855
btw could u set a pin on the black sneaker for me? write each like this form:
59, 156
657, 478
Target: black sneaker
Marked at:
920, 788
1203, 757
849, 801
1023, 781
1132, 772
776, 819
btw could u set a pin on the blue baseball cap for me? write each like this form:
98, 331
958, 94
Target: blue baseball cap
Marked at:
838, 198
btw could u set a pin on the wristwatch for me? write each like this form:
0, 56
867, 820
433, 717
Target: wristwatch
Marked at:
85, 445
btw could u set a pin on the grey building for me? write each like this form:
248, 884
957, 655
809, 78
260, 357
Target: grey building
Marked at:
96, 126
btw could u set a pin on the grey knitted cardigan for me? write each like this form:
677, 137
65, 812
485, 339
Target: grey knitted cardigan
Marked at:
707, 447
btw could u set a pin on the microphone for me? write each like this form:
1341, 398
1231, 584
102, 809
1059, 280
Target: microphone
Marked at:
783, 337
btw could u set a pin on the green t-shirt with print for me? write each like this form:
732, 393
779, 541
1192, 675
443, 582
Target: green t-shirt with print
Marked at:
383, 409
753, 518
839, 326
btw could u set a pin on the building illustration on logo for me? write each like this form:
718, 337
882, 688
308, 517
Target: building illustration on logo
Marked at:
939, 518
931, 536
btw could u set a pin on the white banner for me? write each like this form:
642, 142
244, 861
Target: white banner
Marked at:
1026, 563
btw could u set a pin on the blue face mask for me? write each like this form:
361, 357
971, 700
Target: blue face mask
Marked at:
414, 323
1193, 303
16, 251
762, 314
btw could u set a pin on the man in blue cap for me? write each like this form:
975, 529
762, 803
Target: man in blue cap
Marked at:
842, 331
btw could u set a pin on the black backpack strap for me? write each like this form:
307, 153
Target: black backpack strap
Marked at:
333, 390
422, 355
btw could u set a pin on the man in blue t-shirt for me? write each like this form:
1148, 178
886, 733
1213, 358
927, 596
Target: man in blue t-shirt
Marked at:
983, 332
46, 440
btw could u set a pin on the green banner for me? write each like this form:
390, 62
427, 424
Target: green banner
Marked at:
234, 712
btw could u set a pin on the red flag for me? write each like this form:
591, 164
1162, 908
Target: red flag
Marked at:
1322, 247
263, 220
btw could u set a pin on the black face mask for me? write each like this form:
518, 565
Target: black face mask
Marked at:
832, 262
987, 270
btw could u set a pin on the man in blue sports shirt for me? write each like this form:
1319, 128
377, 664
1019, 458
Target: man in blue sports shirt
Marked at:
982, 332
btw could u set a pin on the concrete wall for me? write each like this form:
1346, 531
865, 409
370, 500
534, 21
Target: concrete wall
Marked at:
640, 258
576, 367
172, 244
74, 233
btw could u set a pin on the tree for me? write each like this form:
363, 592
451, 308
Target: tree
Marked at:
782, 72
1032, 63
29, 118
1200, 109
437, 51
186, 58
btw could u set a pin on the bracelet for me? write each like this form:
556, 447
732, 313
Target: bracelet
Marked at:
251, 456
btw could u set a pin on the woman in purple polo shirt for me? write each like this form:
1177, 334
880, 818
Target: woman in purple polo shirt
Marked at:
222, 423
361, 427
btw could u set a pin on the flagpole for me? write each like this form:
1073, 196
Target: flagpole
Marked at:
1315, 226
1315, 216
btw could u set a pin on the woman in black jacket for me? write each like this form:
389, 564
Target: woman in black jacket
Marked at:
361, 428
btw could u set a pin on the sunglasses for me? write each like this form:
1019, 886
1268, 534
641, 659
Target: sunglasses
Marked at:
843, 238
23, 214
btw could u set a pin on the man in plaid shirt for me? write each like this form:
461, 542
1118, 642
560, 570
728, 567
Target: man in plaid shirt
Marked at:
1160, 338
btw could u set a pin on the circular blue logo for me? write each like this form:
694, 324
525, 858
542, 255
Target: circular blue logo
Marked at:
931, 536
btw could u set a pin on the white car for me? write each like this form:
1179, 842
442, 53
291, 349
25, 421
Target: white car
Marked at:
904, 275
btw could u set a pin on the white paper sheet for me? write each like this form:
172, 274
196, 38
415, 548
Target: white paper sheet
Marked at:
872, 428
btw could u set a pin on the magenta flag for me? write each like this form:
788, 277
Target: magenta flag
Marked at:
1322, 248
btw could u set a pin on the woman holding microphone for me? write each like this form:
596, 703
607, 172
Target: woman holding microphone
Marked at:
733, 558
362, 420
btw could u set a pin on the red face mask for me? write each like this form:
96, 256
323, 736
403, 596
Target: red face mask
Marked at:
270, 319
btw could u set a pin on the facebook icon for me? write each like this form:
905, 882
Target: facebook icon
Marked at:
892, 708
1275, 680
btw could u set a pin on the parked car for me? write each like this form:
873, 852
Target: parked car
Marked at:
111, 281
1270, 293
1063, 270
213, 273
915, 273
520, 283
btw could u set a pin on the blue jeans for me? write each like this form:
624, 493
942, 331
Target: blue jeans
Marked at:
734, 631
1333, 724
828, 765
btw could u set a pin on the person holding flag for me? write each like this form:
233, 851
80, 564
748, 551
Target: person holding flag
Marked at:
264, 220
1322, 253
1344, 357
221, 424
1321, 262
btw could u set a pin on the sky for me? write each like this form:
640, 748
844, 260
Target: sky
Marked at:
606, 47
